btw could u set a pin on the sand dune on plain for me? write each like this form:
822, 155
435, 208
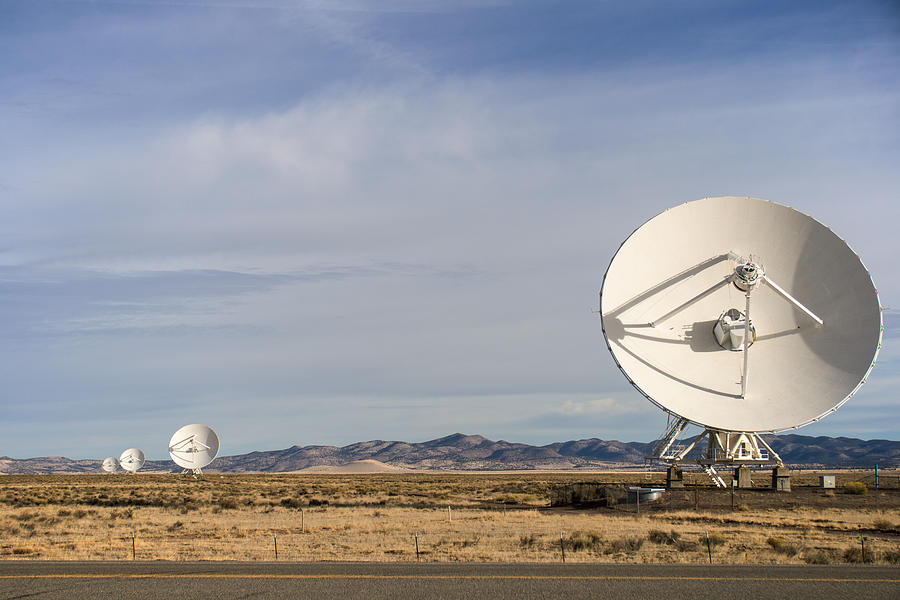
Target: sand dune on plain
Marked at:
356, 466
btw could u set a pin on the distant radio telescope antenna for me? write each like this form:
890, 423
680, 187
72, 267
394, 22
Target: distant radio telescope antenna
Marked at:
193, 447
132, 459
741, 316
109, 464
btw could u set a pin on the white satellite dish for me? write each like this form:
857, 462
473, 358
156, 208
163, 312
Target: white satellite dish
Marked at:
741, 316
132, 459
109, 464
193, 447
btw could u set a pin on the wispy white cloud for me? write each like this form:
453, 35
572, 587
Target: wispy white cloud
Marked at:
508, 195
604, 406
379, 171
420, 240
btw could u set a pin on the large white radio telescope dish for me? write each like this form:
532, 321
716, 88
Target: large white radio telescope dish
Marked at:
132, 459
109, 464
193, 447
678, 295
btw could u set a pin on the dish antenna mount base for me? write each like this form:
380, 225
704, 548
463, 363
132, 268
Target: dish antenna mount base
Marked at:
723, 448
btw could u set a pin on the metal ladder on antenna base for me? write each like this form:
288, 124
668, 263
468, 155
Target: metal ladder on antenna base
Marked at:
717, 479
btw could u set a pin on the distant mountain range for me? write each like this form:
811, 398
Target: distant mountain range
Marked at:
476, 453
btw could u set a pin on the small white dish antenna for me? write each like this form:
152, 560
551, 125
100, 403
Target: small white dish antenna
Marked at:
676, 307
132, 459
109, 464
193, 447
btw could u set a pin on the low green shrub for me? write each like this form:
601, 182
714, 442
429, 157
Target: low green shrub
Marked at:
855, 487
229, 503
583, 540
289, 503
818, 557
658, 536
24, 516
780, 546
626, 545
883, 525
854, 554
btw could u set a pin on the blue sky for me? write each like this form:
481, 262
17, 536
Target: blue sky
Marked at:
324, 222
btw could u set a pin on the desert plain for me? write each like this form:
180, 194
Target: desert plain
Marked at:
409, 516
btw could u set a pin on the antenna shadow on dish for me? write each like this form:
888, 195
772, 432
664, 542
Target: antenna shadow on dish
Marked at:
699, 339
846, 282
686, 274
674, 377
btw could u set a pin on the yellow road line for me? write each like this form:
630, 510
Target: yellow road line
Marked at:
442, 577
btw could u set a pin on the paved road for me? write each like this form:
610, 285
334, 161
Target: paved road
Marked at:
341, 581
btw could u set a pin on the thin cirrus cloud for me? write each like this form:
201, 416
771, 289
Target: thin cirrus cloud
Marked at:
366, 232
347, 173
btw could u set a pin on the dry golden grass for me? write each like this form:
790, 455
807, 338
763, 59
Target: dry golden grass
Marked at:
502, 518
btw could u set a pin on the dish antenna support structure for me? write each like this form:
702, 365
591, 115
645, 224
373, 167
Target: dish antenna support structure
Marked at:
741, 316
193, 447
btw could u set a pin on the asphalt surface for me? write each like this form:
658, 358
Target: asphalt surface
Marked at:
325, 581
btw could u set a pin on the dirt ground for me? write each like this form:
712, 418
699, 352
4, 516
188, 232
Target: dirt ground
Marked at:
502, 517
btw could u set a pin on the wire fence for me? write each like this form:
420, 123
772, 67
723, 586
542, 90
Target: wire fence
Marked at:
54, 527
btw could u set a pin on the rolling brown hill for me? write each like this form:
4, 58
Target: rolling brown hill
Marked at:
461, 452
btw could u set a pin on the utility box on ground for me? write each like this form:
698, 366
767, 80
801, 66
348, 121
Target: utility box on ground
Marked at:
781, 479
674, 478
826, 482
742, 476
